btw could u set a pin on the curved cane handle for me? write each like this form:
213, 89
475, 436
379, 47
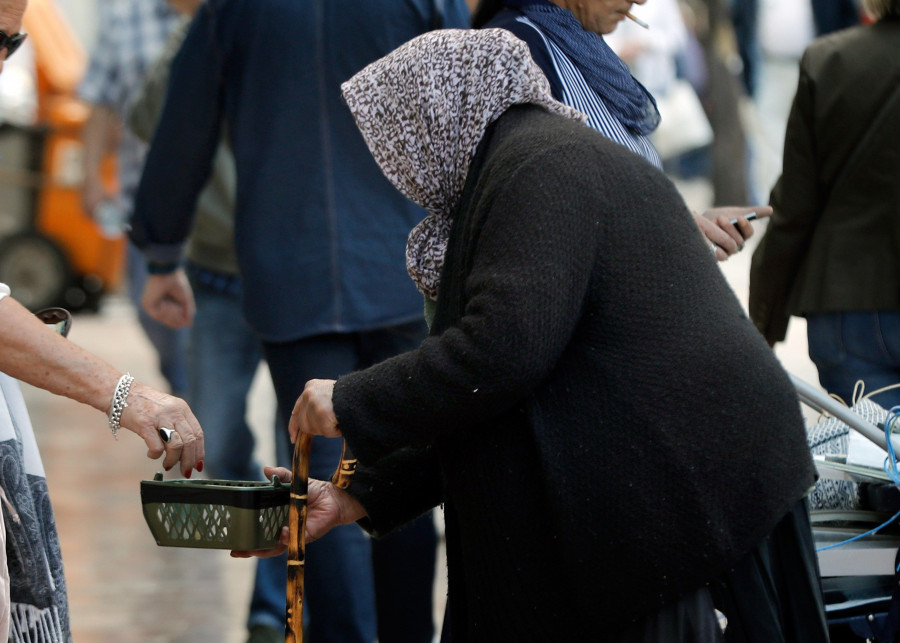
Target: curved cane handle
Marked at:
346, 469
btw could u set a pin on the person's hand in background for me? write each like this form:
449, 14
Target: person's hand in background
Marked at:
728, 239
168, 299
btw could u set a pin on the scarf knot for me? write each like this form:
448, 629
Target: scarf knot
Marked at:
424, 108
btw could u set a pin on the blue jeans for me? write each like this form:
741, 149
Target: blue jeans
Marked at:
223, 356
340, 580
169, 343
851, 346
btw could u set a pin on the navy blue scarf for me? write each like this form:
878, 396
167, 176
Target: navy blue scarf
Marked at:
603, 70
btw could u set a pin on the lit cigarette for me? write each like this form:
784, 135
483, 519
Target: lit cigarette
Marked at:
637, 20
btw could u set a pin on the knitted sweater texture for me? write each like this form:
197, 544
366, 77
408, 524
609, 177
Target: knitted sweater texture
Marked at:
604, 425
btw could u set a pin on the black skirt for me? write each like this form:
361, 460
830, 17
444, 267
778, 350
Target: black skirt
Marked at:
772, 595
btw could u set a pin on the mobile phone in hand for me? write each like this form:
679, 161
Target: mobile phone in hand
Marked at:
750, 216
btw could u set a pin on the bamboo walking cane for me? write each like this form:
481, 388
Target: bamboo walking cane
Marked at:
293, 630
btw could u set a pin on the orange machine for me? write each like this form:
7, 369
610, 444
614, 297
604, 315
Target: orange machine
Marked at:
55, 254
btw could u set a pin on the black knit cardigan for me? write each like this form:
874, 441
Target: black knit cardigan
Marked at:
605, 427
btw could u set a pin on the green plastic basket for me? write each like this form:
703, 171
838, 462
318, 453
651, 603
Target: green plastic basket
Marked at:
215, 514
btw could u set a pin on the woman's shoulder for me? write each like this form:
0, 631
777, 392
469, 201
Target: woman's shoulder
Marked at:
849, 48
516, 22
531, 133
859, 62
531, 149
525, 30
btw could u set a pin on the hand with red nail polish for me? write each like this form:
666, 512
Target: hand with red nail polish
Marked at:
149, 410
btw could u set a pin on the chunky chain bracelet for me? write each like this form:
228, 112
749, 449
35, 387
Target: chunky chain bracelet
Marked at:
118, 403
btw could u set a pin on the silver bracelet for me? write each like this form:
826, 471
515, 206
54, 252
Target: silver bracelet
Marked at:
118, 403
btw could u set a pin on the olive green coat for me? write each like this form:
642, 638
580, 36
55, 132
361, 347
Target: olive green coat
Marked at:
835, 246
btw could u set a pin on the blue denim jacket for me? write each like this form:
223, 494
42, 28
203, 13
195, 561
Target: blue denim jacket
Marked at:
320, 233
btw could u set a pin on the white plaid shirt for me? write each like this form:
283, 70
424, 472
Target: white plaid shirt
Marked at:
131, 36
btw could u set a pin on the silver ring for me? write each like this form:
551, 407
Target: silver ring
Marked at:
713, 247
166, 434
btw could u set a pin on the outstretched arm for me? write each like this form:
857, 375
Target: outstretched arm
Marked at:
36, 355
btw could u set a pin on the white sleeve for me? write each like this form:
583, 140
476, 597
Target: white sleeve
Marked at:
4, 291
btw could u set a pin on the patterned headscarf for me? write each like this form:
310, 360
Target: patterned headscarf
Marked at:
423, 109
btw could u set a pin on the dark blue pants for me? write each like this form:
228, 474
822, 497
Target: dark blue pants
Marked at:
851, 346
223, 356
745, 18
345, 570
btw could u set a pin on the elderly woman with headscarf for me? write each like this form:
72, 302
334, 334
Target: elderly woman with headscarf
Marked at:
605, 471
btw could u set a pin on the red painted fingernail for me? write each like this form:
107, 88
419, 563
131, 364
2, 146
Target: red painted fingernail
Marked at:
200, 465
188, 474
168, 468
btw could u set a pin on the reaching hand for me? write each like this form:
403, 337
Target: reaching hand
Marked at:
148, 411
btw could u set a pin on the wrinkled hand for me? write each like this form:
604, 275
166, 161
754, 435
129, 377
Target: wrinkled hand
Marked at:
327, 507
169, 299
313, 413
148, 411
715, 224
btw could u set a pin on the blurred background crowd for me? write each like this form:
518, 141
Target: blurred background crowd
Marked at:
738, 58
725, 71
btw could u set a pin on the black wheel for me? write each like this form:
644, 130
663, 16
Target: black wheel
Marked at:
35, 269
